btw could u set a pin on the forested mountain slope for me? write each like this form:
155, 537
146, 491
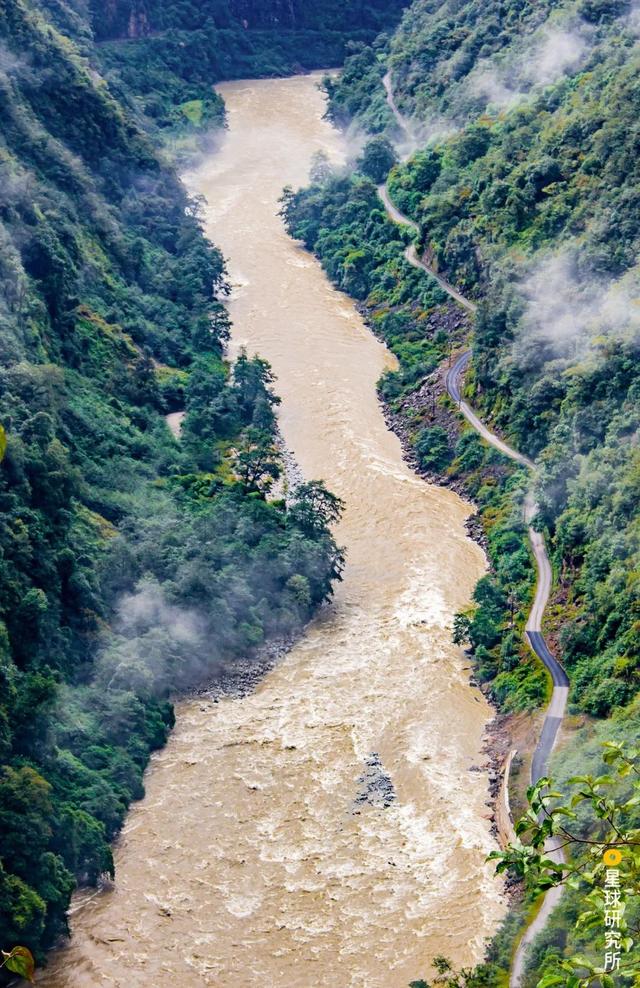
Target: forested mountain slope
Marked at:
450, 60
523, 182
165, 55
532, 206
130, 564
136, 18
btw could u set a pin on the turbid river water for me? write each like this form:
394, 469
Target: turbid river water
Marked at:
250, 863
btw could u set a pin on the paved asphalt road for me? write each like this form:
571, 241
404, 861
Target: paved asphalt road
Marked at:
533, 629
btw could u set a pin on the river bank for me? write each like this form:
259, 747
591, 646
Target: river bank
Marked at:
504, 734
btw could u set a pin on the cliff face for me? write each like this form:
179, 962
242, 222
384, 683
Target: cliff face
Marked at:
120, 19
276, 13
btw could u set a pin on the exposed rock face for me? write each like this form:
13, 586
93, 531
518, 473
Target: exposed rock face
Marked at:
138, 26
131, 19
120, 19
275, 13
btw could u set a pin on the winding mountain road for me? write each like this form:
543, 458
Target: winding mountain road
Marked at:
533, 628
391, 101
412, 255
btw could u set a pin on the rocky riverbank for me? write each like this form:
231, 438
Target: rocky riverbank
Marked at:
430, 404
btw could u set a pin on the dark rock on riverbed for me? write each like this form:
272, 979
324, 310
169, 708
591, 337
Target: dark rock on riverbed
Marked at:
376, 787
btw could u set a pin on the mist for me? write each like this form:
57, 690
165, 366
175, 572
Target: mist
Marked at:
632, 19
155, 644
569, 314
558, 52
554, 52
10, 64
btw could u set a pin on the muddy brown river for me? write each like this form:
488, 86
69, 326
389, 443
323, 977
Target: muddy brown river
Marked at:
250, 863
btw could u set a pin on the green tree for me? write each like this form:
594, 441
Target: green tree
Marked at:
448, 977
596, 826
432, 447
378, 158
461, 628
315, 507
320, 170
258, 461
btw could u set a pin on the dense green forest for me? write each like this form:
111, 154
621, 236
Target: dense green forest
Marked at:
131, 564
162, 57
523, 182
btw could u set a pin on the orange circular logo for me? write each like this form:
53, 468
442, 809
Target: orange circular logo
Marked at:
612, 857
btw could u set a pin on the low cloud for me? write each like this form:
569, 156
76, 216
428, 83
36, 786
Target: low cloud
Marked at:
492, 84
148, 609
557, 53
10, 64
569, 315
632, 20
554, 52
155, 644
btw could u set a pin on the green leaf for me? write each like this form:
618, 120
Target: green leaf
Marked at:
604, 780
20, 961
578, 797
588, 920
579, 961
564, 812
546, 883
612, 755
